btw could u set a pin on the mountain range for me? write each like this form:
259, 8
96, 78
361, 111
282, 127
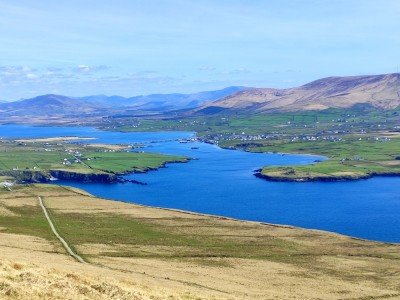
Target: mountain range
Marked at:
164, 102
100, 104
48, 105
379, 91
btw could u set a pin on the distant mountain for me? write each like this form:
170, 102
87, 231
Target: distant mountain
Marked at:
116, 101
163, 102
49, 105
183, 101
380, 91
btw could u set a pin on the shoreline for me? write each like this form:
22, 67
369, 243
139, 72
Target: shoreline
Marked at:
30, 176
219, 217
182, 253
329, 178
269, 177
164, 165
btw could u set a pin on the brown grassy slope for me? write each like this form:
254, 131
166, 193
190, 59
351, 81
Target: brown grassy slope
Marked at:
382, 91
180, 255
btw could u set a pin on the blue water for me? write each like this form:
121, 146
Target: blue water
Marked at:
221, 182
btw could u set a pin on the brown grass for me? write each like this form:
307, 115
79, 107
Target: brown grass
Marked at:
54, 139
108, 146
30, 281
6, 212
253, 261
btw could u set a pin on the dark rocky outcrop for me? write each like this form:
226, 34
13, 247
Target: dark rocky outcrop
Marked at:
81, 177
33, 176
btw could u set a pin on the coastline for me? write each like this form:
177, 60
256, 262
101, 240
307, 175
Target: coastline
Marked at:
219, 217
103, 176
318, 178
129, 186
295, 175
139, 247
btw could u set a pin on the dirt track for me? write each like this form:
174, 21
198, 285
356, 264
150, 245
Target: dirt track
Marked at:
53, 228
296, 264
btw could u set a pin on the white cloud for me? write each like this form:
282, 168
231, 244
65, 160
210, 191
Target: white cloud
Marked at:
82, 68
31, 76
90, 69
25, 82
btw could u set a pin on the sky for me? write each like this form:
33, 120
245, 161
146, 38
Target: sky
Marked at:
136, 47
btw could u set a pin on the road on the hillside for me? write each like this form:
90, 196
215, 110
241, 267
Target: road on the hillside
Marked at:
63, 242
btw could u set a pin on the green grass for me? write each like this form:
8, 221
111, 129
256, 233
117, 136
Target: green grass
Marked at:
119, 162
112, 229
310, 122
364, 157
29, 220
341, 129
29, 158
178, 237
227, 130
130, 231
33, 157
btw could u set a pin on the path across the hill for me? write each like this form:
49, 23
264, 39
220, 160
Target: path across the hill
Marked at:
63, 242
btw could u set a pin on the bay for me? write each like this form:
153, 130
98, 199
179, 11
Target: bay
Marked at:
221, 182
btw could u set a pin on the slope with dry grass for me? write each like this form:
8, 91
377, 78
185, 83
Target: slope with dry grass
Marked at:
137, 251
381, 91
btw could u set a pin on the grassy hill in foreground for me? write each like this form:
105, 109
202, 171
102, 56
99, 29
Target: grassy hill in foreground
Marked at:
138, 252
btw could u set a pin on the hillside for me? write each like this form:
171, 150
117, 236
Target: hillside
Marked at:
163, 102
49, 105
380, 91
139, 252
102, 105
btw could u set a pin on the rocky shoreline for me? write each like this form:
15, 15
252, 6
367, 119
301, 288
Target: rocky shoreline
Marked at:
328, 178
33, 176
38, 176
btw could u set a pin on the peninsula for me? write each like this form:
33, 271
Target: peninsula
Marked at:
43, 160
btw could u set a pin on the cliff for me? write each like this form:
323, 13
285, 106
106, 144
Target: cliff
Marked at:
30, 176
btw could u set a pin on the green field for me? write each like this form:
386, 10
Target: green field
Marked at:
18, 159
354, 156
358, 142
120, 162
310, 122
124, 228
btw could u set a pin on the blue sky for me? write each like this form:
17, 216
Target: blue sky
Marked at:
137, 47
